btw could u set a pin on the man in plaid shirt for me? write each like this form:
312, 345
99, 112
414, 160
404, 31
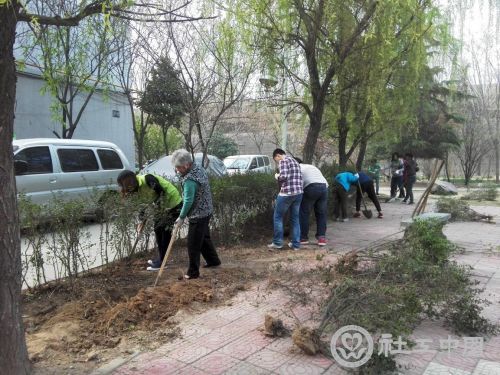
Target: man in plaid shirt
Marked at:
289, 197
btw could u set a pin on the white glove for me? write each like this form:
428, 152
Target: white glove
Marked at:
276, 175
356, 175
179, 221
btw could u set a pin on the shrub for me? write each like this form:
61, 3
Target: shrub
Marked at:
239, 200
487, 192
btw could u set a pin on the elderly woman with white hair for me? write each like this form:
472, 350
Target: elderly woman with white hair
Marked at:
197, 208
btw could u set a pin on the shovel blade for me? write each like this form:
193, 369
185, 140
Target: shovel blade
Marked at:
368, 214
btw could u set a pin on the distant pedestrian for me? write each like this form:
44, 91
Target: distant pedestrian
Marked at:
366, 184
167, 202
289, 197
198, 209
374, 171
341, 186
409, 177
315, 195
396, 167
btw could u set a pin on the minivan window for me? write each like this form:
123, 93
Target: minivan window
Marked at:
266, 161
37, 158
77, 160
260, 161
254, 163
109, 159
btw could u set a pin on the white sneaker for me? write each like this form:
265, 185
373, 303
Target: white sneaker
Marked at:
273, 246
290, 245
153, 268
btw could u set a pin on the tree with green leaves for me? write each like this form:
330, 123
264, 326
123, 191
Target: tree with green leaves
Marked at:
164, 98
315, 42
74, 62
222, 146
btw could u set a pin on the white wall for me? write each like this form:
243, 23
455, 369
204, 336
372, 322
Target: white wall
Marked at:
34, 118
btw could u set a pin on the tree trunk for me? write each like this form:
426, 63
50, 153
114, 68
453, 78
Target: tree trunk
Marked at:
312, 136
361, 154
342, 131
446, 166
497, 161
13, 352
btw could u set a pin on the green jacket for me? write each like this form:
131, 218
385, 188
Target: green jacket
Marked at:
153, 187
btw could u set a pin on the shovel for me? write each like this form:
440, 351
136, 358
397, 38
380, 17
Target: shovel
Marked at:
366, 212
169, 250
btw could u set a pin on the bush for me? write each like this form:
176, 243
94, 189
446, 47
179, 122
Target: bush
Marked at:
390, 288
239, 200
487, 192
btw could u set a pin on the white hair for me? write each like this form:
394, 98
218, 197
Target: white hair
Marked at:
181, 157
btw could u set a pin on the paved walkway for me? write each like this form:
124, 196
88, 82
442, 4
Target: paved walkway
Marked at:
228, 340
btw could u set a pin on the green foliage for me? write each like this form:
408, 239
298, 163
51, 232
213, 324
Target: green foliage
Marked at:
74, 61
154, 146
458, 209
391, 287
434, 132
487, 192
164, 96
239, 201
222, 146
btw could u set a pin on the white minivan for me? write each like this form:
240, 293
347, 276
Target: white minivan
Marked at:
68, 168
248, 163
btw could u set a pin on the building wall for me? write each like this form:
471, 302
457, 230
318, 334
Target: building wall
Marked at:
34, 117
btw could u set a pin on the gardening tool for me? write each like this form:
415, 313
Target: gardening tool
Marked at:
169, 250
366, 212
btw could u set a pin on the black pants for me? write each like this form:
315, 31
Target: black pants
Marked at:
339, 201
369, 189
397, 182
163, 225
410, 181
199, 242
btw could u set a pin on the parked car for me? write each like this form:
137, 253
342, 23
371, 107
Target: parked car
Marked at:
67, 168
248, 163
163, 167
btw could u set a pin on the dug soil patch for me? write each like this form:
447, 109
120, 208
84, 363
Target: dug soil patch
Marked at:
74, 326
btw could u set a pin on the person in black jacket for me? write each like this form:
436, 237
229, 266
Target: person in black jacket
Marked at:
409, 177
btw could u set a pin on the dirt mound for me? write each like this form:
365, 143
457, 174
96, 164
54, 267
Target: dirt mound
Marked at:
306, 339
152, 306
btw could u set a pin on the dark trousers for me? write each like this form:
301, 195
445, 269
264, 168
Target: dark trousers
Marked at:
410, 181
199, 242
369, 189
315, 195
397, 182
339, 201
163, 225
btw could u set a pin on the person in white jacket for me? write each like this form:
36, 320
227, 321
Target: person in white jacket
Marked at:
315, 196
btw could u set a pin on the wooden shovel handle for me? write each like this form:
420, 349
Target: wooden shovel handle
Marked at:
167, 254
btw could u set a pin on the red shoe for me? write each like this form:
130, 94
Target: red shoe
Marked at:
356, 214
380, 215
322, 242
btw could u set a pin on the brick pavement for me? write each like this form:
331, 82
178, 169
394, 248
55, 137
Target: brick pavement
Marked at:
227, 340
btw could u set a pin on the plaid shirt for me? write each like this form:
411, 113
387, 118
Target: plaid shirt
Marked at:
290, 177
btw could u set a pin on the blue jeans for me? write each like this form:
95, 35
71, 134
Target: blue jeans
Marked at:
283, 203
315, 195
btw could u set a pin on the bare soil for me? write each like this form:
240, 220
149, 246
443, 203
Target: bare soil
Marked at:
73, 328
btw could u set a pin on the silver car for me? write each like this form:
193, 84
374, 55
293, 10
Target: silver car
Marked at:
67, 168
